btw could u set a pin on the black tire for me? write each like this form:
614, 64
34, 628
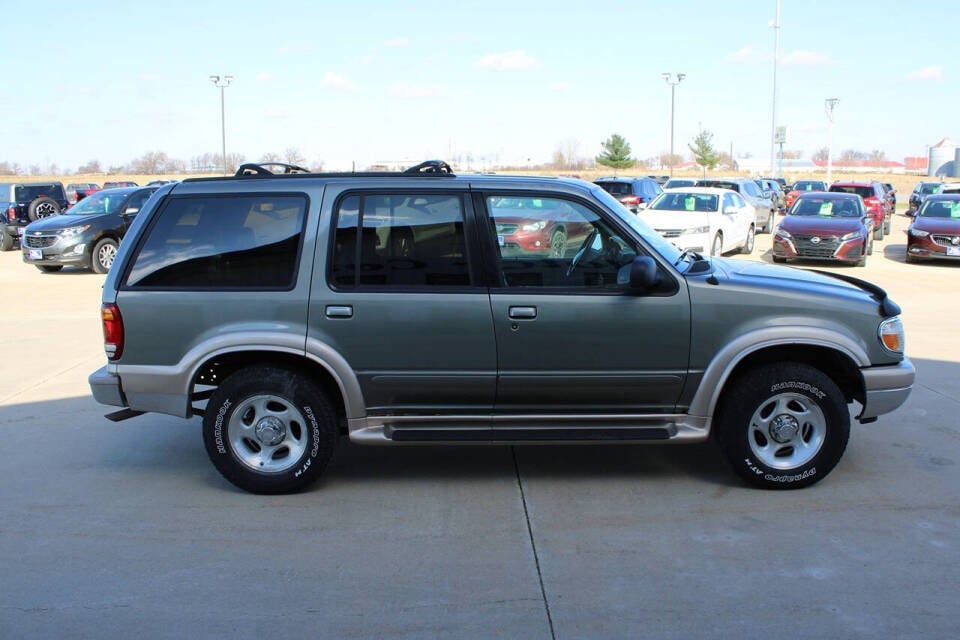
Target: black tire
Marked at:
101, 258
558, 244
909, 259
716, 247
770, 410
258, 403
768, 225
42, 207
6, 241
878, 232
49, 268
750, 241
888, 225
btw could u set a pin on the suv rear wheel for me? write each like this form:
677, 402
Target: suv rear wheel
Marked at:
6, 241
783, 425
269, 430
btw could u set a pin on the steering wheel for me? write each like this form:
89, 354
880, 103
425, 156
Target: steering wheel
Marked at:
581, 252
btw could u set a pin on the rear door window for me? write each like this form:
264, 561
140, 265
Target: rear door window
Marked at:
400, 241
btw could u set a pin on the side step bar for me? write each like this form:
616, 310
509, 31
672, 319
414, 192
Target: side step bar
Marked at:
123, 414
529, 435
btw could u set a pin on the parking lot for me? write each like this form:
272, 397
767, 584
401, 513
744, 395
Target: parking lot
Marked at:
115, 530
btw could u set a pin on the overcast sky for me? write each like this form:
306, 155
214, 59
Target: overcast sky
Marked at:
367, 81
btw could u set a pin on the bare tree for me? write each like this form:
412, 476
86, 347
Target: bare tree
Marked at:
292, 155
152, 162
271, 156
820, 155
667, 160
92, 166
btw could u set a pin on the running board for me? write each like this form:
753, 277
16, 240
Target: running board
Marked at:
123, 414
605, 434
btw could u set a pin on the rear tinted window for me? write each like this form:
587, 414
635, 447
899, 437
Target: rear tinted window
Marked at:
246, 242
28, 192
863, 192
616, 188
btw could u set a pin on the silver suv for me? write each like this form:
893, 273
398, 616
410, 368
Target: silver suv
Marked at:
424, 307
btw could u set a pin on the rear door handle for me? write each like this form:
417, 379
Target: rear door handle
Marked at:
339, 311
523, 313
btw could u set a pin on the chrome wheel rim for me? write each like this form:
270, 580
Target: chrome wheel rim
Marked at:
558, 245
45, 209
267, 433
787, 431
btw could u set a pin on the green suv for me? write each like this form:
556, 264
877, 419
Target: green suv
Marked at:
291, 309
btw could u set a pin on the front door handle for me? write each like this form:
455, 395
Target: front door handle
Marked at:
523, 313
339, 311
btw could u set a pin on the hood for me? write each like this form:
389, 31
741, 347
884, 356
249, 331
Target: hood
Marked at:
763, 275
944, 226
61, 221
820, 225
674, 219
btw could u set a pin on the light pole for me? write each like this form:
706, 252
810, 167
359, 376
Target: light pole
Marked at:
223, 82
673, 80
829, 105
776, 59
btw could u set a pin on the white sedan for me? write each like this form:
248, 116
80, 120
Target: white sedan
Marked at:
703, 219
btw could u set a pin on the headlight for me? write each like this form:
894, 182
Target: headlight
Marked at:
891, 334
918, 233
70, 232
693, 230
534, 226
783, 233
853, 235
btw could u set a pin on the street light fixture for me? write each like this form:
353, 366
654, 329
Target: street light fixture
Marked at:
673, 80
223, 82
829, 105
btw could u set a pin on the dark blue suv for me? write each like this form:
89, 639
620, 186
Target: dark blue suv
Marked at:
631, 192
23, 202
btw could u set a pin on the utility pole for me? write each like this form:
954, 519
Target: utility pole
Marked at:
830, 104
223, 82
776, 59
673, 80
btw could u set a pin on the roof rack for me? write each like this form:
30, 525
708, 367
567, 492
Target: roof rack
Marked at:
431, 167
261, 169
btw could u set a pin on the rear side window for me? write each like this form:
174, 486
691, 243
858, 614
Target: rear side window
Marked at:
26, 193
231, 242
399, 241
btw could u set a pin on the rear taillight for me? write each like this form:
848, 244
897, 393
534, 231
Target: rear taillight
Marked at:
631, 200
11, 214
112, 330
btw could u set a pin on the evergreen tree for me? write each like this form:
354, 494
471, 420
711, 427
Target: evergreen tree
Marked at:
703, 151
616, 153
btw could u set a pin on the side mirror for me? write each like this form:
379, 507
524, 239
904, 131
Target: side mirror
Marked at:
641, 275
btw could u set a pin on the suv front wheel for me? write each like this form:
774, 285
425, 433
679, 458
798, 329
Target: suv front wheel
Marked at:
783, 425
269, 430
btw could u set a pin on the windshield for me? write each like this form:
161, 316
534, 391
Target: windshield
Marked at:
685, 201
809, 185
826, 207
941, 209
654, 239
98, 203
616, 188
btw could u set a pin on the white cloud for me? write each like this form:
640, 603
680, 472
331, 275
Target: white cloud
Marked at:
336, 82
927, 73
397, 42
745, 54
806, 59
508, 61
414, 92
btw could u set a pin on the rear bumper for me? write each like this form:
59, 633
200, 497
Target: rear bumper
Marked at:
886, 388
106, 389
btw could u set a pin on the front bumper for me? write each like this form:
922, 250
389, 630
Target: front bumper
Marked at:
825, 248
63, 251
886, 388
928, 247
